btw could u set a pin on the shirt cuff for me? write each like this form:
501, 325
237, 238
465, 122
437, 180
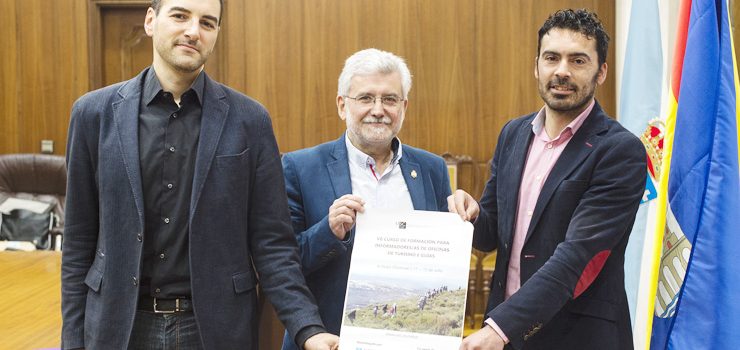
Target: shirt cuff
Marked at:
307, 332
492, 324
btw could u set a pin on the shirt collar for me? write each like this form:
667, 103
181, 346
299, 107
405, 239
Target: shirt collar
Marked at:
538, 124
152, 87
357, 157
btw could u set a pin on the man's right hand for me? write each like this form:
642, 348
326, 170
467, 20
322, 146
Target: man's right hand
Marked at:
322, 341
484, 339
342, 214
463, 204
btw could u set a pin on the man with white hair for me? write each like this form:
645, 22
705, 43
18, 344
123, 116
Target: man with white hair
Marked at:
367, 167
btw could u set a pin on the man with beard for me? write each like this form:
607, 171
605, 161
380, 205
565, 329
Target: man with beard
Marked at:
176, 207
367, 167
565, 186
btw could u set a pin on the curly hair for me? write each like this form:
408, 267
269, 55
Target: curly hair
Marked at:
581, 21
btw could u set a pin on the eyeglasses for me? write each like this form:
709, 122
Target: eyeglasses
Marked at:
369, 100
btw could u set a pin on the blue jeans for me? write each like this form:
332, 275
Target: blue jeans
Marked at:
177, 331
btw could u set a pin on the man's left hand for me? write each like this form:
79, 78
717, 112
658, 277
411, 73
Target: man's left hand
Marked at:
322, 341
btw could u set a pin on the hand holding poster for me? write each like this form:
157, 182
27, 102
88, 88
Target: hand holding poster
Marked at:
407, 281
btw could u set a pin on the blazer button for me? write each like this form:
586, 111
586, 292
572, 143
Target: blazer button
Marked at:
135, 281
139, 237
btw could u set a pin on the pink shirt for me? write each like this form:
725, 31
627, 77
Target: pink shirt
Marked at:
543, 153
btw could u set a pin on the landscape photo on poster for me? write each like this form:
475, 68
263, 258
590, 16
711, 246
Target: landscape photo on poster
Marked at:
405, 305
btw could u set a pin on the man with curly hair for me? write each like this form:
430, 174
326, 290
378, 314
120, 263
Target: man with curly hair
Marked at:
565, 186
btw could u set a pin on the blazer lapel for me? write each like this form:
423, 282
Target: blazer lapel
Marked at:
214, 113
511, 174
580, 146
339, 169
126, 119
415, 184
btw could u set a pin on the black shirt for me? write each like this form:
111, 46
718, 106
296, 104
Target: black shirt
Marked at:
168, 143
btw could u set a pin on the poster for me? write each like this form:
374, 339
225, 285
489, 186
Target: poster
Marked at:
407, 282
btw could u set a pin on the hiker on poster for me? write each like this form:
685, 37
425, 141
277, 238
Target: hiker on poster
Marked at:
408, 281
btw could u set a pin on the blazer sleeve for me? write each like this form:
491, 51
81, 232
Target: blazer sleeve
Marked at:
485, 234
81, 218
602, 219
317, 244
274, 250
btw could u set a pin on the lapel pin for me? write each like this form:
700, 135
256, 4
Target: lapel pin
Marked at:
589, 145
413, 174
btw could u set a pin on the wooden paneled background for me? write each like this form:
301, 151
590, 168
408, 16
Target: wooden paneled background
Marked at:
471, 59
472, 62
43, 70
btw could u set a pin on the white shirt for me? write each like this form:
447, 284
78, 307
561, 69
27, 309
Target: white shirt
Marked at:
385, 191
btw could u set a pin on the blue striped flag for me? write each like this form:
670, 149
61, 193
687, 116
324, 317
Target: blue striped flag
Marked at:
697, 273
639, 103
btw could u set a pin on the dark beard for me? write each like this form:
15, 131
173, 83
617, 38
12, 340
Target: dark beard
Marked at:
579, 105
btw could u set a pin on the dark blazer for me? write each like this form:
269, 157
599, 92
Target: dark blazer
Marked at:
572, 265
315, 177
239, 223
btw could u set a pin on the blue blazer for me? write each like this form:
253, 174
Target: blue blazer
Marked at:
572, 262
314, 178
239, 223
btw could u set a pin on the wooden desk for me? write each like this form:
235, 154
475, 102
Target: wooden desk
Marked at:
30, 311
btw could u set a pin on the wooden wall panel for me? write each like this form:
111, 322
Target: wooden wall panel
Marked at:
472, 62
46, 70
8, 77
126, 49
